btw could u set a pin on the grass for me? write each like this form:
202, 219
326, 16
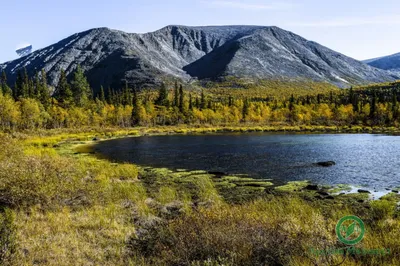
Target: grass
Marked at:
62, 206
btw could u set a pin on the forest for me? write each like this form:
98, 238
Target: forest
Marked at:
31, 104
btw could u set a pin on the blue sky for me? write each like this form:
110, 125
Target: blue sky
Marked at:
360, 29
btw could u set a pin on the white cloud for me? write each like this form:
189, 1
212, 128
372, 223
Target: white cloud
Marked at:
345, 22
247, 6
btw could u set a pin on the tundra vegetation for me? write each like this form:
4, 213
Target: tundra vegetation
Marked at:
62, 205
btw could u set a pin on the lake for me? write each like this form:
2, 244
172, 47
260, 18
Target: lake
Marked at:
369, 160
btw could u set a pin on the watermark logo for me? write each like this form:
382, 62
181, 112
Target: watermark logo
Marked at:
350, 230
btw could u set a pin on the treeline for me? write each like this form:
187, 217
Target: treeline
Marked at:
31, 103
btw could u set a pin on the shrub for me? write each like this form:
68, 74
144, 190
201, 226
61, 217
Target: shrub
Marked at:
7, 237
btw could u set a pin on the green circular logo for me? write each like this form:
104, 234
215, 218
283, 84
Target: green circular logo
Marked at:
350, 230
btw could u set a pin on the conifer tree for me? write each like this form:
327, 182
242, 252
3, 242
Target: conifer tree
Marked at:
102, 95
109, 96
4, 86
245, 110
162, 99
203, 101
176, 95
291, 103
63, 91
394, 105
18, 87
190, 102
136, 109
44, 89
80, 88
373, 106
181, 98
37, 84
26, 90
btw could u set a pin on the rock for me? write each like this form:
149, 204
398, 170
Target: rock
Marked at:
395, 191
363, 191
311, 187
323, 193
173, 209
216, 173
80, 200
95, 139
326, 164
152, 203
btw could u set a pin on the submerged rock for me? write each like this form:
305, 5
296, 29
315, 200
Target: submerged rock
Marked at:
363, 191
326, 164
217, 173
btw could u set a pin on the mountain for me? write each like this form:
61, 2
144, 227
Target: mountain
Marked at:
390, 63
109, 57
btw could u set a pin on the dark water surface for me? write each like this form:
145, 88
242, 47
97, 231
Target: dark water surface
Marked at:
361, 159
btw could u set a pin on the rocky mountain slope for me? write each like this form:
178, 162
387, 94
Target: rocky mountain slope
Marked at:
109, 57
390, 63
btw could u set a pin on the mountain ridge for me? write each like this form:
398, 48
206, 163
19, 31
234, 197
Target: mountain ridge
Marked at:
390, 63
110, 57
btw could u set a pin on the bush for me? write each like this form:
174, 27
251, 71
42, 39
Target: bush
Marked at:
7, 237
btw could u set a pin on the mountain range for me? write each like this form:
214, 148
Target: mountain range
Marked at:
111, 57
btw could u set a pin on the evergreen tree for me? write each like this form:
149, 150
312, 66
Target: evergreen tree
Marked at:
136, 109
37, 84
197, 103
102, 95
109, 96
190, 102
373, 106
176, 95
203, 101
80, 88
3, 84
26, 89
162, 99
394, 105
63, 91
44, 89
230, 101
245, 110
18, 87
291, 103
181, 98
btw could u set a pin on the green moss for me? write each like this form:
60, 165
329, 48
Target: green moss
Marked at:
339, 188
293, 186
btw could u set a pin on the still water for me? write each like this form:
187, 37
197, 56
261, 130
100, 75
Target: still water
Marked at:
361, 159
